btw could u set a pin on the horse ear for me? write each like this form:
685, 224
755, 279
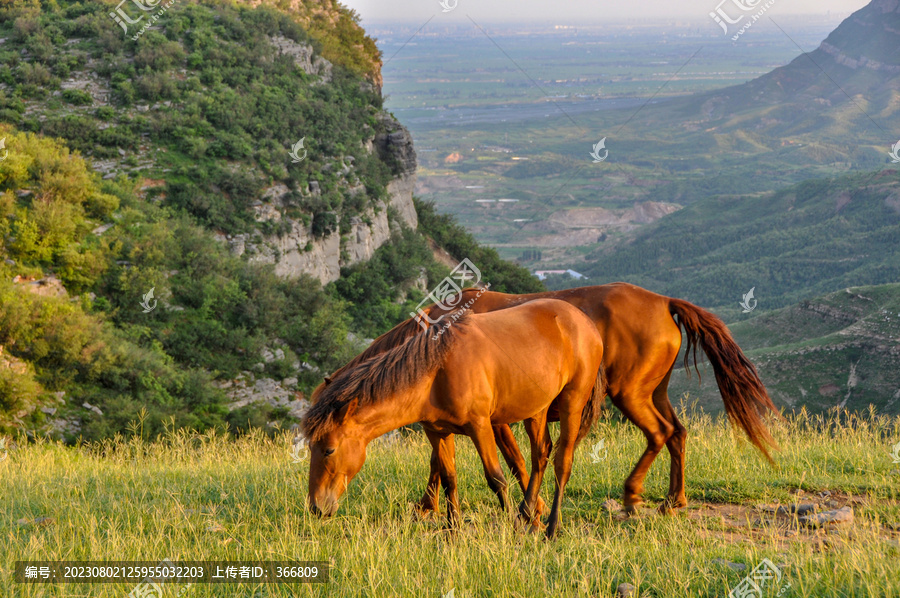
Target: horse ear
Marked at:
347, 410
327, 380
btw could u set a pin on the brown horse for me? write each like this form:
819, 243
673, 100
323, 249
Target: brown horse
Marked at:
642, 340
485, 370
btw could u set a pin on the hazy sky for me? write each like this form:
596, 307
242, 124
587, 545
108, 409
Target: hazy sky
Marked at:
574, 11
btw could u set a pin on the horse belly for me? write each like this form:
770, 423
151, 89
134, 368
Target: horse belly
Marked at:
525, 399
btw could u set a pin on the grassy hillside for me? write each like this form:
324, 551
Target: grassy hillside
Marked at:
202, 497
204, 105
841, 349
809, 239
88, 340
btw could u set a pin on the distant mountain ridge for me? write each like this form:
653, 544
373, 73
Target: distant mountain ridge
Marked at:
865, 39
858, 62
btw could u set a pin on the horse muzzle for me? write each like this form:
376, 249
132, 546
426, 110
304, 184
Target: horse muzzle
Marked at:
325, 507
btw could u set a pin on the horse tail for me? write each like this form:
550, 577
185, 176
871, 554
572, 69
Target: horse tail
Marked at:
743, 393
594, 406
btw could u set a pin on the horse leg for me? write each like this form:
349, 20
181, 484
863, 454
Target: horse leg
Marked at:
529, 509
429, 500
676, 498
506, 442
642, 413
446, 451
569, 423
483, 437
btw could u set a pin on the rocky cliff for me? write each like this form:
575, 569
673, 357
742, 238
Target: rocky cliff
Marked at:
298, 251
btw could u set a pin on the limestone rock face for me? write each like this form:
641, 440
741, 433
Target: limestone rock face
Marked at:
396, 148
296, 250
304, 57
401, 192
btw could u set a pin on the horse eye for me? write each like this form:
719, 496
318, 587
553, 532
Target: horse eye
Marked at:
329, 452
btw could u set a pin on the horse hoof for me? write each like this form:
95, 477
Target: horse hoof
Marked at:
670, 508
667, 510
425, 512
530, 525
450, 526
525, 515
632, 509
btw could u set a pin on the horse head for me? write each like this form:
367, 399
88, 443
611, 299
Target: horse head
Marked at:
336, 456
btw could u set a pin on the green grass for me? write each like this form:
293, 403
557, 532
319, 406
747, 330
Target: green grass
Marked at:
139, 500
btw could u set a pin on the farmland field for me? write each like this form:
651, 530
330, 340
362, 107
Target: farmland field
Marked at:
520, 123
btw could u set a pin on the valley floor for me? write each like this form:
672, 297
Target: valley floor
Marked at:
211, 497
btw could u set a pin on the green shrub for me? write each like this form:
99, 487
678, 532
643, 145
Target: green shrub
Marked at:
77, 97
324, 223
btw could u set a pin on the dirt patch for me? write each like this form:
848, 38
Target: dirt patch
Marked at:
733, 522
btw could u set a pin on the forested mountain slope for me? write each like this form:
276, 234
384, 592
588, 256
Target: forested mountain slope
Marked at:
156, 210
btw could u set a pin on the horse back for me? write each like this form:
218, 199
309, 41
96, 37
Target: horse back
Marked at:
519, 359
641, 339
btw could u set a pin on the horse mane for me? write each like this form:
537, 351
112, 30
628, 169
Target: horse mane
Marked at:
394, 337
381, 375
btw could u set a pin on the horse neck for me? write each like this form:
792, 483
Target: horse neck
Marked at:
400, 409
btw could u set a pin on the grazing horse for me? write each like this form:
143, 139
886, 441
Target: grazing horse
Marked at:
484, 370
642, 338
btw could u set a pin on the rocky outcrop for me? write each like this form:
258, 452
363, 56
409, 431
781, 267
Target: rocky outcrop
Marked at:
248, 390
304, 57
333, 25
858, 63
395, 146
45, 287
401, 192
296, 250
